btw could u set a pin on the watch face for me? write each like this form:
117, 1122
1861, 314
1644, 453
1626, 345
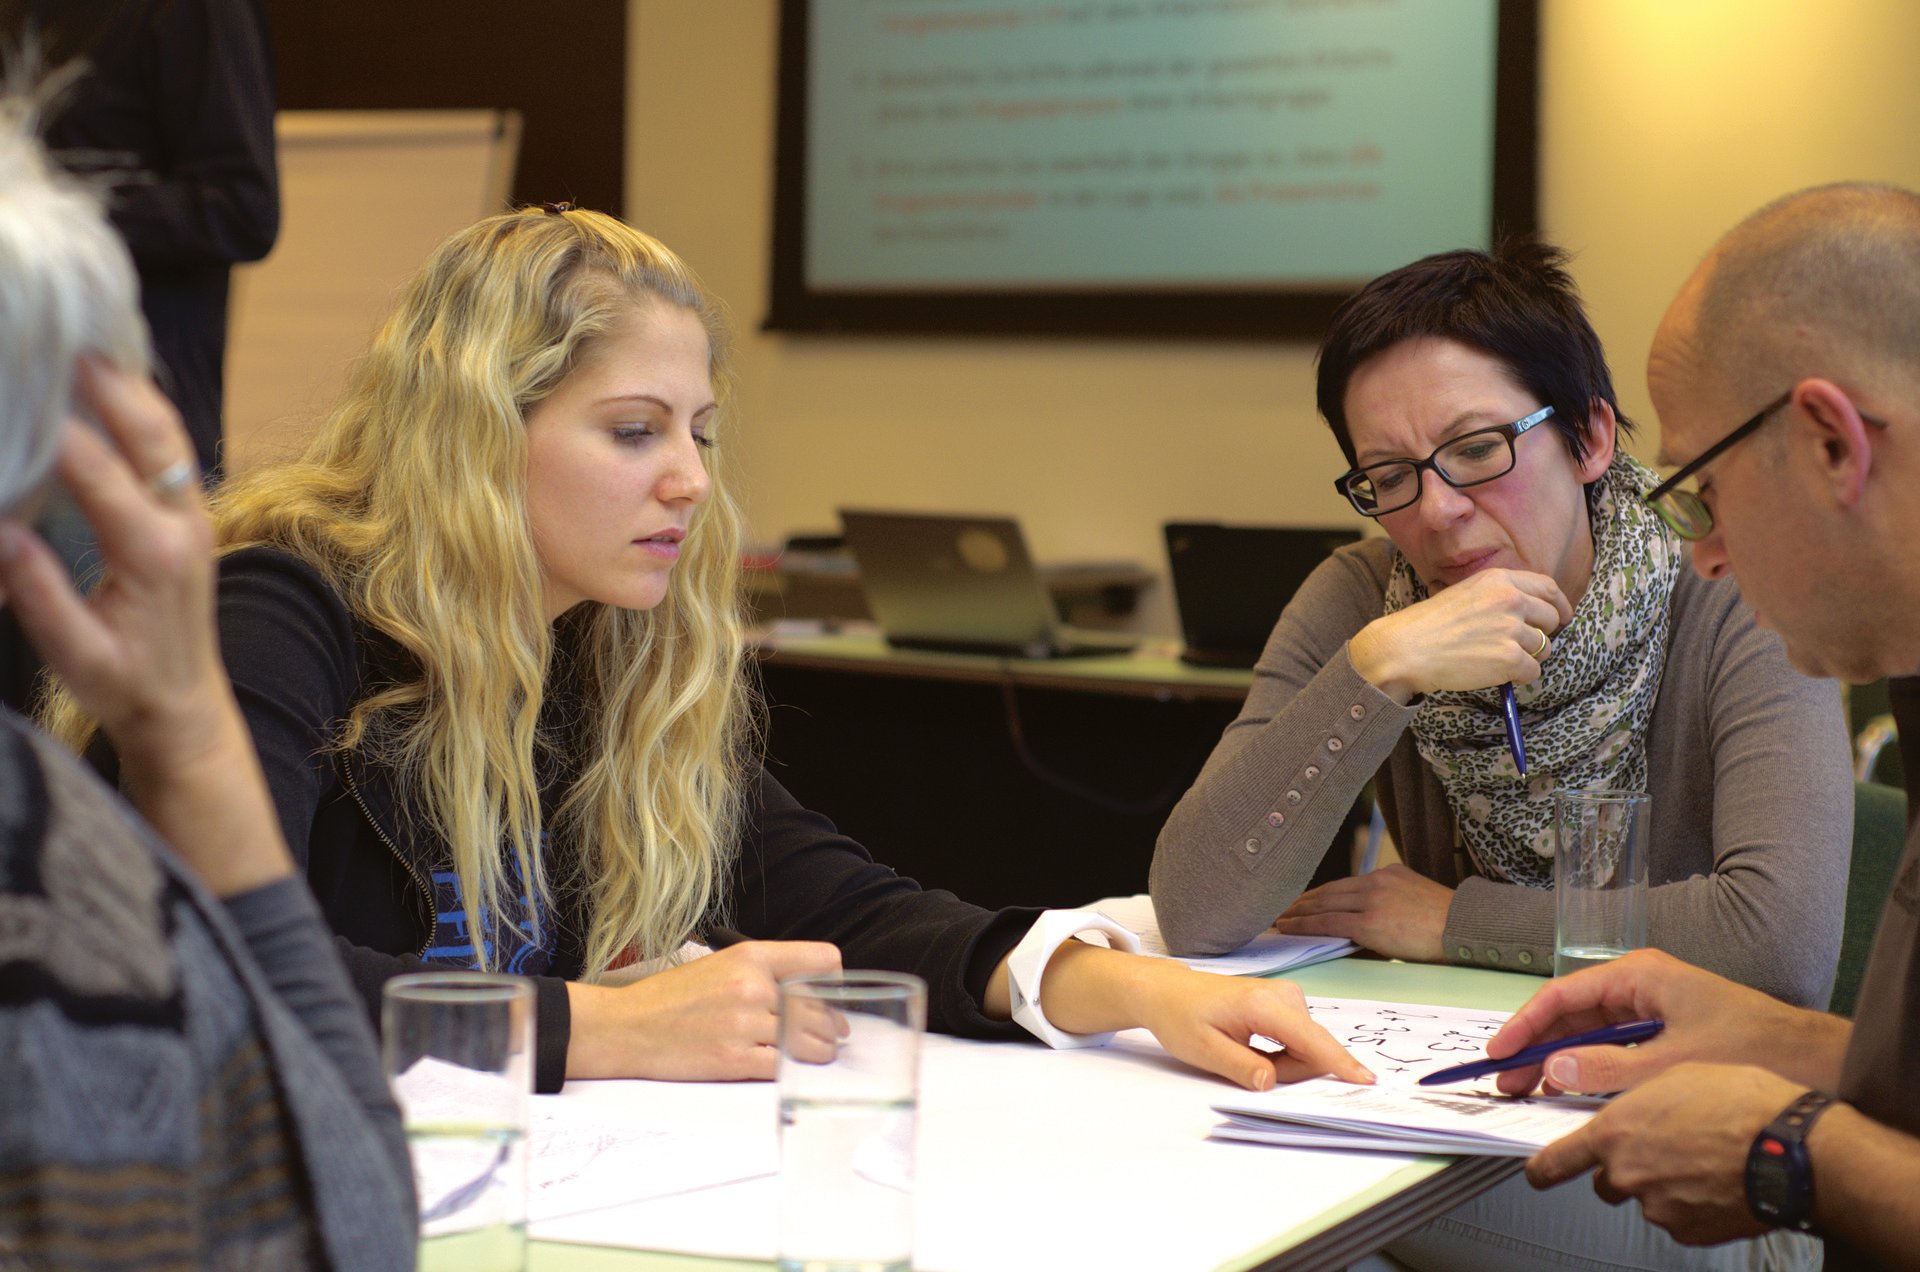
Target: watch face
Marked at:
1770, 1179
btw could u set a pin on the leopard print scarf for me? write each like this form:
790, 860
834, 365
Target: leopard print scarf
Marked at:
1585, 719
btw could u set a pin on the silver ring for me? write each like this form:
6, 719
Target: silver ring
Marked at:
1541, 648
175, 478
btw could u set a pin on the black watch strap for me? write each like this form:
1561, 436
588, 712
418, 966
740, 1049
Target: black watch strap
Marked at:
1779, 1170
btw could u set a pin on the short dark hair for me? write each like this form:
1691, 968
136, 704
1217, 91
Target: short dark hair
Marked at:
1516, 304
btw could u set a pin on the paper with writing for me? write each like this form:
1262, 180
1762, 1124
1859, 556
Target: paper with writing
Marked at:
589, 1158
1401, 1043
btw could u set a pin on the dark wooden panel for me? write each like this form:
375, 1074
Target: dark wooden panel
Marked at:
562, 66
1004, 796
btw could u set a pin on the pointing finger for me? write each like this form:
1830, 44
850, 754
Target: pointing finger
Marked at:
1311, 1050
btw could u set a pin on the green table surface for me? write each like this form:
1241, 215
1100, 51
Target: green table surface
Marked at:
1342, 978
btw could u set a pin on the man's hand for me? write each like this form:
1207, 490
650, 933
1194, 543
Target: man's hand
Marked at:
1393, 911
1708, 1018
1679, 1145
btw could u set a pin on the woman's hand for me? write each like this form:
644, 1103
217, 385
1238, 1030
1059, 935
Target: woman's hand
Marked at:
1395, 911
1484, 630
140, 653
716, 1018
1201, 1018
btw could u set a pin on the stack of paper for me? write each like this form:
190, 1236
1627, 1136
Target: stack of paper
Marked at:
1326, 1113
1268, 952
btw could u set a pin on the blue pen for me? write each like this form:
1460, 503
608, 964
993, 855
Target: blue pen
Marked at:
1610, 1035
1511, 710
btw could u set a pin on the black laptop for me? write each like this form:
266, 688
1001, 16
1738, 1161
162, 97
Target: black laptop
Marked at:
961, 583
1231, 582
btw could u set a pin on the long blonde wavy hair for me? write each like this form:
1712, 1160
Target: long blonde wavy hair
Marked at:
410, 500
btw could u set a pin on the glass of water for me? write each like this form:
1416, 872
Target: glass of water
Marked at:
1599, 876
458, 1052
849, 1084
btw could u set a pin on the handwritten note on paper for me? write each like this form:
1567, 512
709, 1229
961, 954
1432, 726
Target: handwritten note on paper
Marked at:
580, 1156
1402, 1042
589, 1158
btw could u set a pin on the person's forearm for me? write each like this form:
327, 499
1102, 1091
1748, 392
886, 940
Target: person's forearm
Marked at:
288, 939
1383, 666
1242, 844
1866, 1185
1809, 1047
206, 797
592, 1051
1085, 989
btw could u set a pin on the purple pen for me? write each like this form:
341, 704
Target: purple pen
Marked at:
1511, 710
1607, 1035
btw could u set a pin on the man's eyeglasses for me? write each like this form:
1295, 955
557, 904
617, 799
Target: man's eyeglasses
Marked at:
1684, 511
1467, 460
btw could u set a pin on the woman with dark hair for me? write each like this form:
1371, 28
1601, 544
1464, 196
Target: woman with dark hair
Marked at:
1474, 406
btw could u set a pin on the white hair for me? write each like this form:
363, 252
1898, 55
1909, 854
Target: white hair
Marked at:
67, 289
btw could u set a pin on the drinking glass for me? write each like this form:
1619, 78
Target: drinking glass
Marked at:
458, 1050
849, 1081
1599, 876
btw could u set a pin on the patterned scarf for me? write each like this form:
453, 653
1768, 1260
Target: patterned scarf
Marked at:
1585, 719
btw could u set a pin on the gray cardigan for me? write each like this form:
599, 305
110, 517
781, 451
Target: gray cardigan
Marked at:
1747, 764
187, 1083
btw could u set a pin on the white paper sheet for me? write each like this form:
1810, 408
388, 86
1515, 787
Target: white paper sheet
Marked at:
1402, 1043
586, 1158
1268, 952
1028, 1159
582, 1157
1468, 1119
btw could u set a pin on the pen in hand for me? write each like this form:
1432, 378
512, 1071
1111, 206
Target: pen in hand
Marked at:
1510, 709
1608, 1035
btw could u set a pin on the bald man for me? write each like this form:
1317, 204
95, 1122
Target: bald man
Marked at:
1747, 1114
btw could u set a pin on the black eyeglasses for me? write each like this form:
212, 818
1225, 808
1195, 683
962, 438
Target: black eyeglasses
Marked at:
1685, 513
1467, 460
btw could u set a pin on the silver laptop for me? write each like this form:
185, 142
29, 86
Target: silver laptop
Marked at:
962, 583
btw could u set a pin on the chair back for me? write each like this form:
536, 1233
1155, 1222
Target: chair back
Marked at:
1879, 836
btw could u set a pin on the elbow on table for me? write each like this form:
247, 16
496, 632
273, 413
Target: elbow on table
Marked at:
1191, 922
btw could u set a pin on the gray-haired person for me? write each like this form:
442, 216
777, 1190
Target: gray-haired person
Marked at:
188, 1083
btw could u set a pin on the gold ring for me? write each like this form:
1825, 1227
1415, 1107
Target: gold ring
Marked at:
175, 479
1541, 648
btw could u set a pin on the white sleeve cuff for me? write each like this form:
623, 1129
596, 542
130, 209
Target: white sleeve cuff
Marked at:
1027, 967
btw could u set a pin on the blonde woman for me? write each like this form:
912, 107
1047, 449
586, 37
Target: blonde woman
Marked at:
484, 631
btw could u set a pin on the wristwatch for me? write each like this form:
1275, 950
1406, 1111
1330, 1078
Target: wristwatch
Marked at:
1779, 1170
1027, 966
